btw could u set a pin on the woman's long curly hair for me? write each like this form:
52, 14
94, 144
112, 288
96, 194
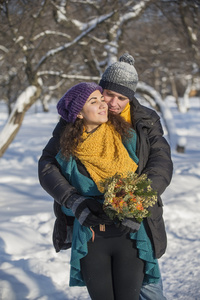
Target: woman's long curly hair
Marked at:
72, 133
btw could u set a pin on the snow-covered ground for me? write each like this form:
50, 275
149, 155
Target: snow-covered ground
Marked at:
29, 266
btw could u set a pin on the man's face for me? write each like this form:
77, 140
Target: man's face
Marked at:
116, 102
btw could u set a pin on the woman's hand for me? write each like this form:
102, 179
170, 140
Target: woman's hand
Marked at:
88, 211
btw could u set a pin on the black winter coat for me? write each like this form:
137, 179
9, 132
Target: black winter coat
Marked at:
154, 159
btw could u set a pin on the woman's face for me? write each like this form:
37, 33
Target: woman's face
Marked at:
94, 112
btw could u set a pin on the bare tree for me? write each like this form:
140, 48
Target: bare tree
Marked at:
37, 56
47, 45
32, 66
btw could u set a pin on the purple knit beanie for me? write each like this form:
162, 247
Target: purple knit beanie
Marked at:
74, 99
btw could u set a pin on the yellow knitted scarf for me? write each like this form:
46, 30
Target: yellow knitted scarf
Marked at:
126, 113
104, 155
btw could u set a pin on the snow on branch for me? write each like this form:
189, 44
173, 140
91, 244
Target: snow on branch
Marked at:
116, 30
98, 40
61, 12
78, 38
18, 39
62, 75
192, 34
14, 122
137, 9
90, 2
4, 49
50, 32
24, 99
83, 26
55, 87
37, 15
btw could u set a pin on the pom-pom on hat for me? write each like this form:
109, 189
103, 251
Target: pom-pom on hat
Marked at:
74, 99
121, 77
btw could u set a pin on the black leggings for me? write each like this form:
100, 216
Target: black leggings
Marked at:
112, 270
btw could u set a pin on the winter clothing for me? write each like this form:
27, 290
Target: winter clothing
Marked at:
121, 77
154, 160
152, 291
126, 113
103, 154
87, 211
74, 99
81, 234
126, 280
130, 225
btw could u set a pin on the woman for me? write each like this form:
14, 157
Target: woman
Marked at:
111, 259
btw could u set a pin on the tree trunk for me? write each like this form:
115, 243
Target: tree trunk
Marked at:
11, 128
174, 91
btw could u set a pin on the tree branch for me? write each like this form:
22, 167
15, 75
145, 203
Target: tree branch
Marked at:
76, 40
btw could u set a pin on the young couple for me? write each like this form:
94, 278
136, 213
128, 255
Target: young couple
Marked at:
89, 145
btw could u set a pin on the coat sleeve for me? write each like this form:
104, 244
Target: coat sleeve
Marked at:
50, 176
159, 166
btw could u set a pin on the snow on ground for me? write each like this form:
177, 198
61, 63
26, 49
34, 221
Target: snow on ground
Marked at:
29, 266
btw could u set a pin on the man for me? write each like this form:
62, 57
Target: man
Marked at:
119, 82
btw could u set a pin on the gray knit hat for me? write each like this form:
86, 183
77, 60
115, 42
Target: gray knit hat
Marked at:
74, 99
121, 77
